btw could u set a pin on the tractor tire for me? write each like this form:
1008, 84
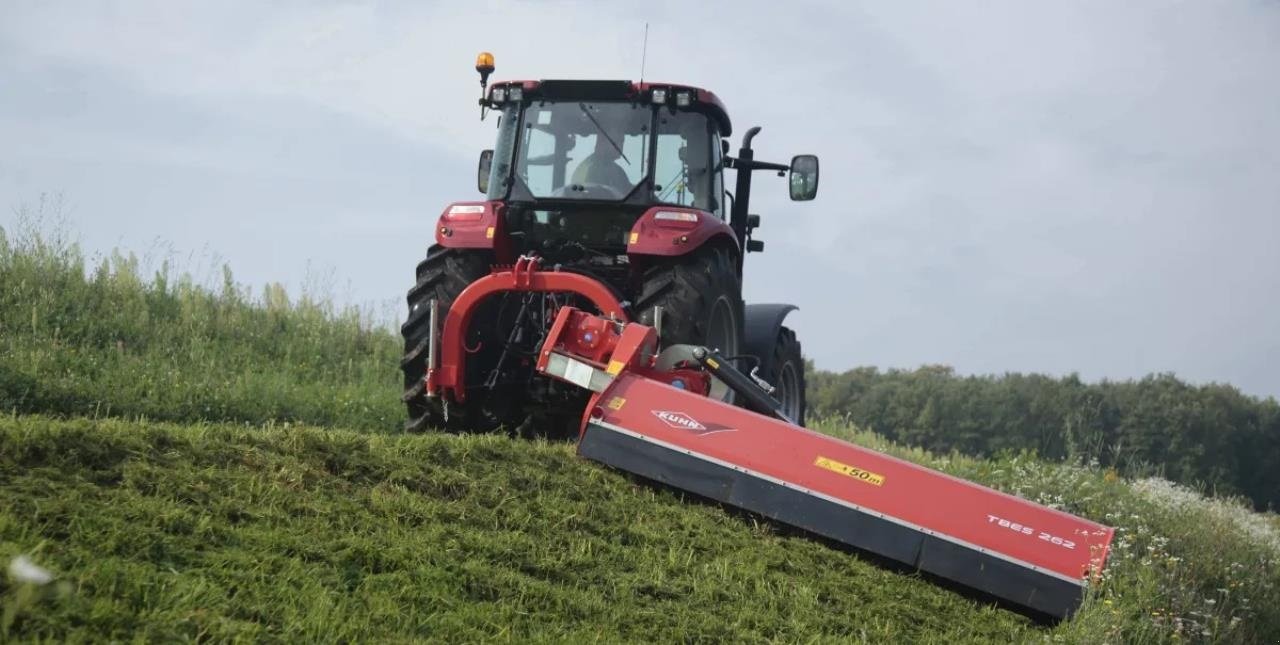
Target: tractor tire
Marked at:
441, 276
701, 299
787, 375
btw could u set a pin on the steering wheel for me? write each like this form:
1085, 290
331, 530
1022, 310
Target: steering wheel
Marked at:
588, 191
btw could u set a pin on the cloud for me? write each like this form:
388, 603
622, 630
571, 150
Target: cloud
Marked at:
1075, 187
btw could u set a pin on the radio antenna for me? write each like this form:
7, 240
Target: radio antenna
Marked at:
644, 51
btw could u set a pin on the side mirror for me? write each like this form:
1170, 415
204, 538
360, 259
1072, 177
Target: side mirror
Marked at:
804, 177
482, 171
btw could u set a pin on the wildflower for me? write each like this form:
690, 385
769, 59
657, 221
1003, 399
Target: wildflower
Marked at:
23, 569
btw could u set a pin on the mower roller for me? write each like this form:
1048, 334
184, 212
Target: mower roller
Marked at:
597, 289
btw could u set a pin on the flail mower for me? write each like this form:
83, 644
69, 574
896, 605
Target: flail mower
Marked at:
597, 288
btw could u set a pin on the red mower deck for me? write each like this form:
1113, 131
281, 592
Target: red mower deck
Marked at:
1015, 550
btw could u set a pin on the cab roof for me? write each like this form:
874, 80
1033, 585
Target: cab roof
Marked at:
552, 89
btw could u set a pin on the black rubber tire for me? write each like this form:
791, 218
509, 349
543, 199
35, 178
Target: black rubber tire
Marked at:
688, 289
441, 276
786, 356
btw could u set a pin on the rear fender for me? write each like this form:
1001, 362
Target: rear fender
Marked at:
475, 225
761, 324
666, 231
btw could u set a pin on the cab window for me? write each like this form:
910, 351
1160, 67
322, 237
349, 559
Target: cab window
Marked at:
686, 166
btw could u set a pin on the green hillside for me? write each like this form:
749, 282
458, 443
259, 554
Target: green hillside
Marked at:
194, 463
295, 534
112, 338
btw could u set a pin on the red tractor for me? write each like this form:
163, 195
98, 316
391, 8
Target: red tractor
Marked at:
599, 287
621, 182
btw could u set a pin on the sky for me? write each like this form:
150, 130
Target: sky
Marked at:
1081, 187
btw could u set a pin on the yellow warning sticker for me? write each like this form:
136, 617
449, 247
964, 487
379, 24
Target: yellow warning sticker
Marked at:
616, 403
859, 474
615, 367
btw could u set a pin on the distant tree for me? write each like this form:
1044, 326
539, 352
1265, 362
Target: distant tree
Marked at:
1211, 434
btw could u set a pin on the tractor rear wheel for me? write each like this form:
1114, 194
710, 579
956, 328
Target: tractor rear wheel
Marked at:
701, 299
787, 375
440, 277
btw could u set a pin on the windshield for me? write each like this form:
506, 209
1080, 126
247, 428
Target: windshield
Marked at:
581, 150
604, 150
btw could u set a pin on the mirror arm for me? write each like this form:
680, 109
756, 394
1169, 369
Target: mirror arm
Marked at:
742, 164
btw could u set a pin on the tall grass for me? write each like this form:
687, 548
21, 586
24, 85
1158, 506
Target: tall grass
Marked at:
103, 339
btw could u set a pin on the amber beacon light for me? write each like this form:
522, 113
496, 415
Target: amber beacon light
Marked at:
484, 65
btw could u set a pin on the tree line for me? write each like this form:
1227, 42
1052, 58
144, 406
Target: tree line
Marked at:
1207, 435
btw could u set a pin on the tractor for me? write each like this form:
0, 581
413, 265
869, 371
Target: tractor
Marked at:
598, 286
622, 182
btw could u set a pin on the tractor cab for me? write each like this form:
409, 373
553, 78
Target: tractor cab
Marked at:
607, 141
579, 162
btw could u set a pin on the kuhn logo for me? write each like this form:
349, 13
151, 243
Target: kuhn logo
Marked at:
679, 420
682, 421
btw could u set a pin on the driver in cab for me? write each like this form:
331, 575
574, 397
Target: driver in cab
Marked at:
600, 168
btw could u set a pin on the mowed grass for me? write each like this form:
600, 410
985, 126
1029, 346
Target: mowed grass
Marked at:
167, 532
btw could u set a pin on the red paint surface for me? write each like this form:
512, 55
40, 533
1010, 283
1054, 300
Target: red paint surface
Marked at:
657, 237
470, 232
941, 503
450, 377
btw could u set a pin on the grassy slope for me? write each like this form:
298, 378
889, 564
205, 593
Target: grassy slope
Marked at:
302, 534
167, 532
104, 340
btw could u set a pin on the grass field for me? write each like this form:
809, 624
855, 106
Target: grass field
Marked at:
182, 532
189, 463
